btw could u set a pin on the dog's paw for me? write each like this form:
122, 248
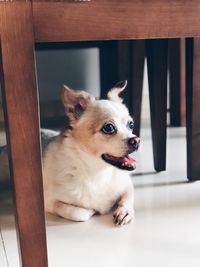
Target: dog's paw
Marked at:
123, 215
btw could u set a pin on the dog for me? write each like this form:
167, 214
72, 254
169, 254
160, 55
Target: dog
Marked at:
86, 165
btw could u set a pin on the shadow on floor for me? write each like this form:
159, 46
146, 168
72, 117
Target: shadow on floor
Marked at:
155, 184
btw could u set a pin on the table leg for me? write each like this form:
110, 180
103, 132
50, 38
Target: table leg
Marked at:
108, 66
137, 58
20, 101
157, 74
177, 81
193, 107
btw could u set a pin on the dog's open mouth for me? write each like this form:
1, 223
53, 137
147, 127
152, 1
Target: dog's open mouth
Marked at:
124, 163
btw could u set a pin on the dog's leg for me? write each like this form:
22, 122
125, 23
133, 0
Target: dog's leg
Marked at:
124, 213
72, 212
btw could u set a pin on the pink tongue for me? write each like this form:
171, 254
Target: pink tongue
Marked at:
128, 160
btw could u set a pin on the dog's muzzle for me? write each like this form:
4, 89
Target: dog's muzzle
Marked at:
124, 162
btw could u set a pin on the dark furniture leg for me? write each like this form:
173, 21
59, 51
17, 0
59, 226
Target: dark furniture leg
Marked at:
124, 69
136, 81
108, 66
177, 82
20, 100
157, 74
193, 107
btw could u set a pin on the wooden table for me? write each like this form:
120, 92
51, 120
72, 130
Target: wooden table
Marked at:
24, 23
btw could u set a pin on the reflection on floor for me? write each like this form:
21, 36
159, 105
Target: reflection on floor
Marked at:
166, 231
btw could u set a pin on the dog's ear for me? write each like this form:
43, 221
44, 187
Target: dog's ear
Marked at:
75, 102
114, 93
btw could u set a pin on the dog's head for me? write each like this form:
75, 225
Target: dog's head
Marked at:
103, 128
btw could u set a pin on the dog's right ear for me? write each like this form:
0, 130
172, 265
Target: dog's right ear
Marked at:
75, 102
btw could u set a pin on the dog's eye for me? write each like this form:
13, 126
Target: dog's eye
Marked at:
131, 125
109, 128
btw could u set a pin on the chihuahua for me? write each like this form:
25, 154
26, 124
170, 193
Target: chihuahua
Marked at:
86, 166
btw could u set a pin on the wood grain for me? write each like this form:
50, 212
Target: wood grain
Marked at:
115, 19
20, 101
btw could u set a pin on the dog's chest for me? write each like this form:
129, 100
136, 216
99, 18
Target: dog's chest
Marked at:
98, 191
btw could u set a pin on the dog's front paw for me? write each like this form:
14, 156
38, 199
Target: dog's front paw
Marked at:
123, 215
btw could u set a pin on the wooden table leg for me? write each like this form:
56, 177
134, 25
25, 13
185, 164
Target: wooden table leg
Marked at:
177, 81
20, 101
108, 66
157, 74
193, 107
137, 57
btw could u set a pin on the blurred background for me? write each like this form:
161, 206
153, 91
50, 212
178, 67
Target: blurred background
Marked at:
79, 68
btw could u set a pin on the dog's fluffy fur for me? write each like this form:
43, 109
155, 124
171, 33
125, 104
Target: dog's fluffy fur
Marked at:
82, 165
78, 182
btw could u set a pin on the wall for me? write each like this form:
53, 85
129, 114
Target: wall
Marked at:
78, 68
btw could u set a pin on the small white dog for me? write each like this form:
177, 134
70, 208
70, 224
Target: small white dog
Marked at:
85, 166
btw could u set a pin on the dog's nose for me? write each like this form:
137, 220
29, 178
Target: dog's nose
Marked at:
134, 142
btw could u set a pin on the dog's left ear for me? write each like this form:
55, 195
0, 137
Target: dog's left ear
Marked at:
114, 93
75, 102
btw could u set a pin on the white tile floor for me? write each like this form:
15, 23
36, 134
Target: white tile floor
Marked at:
166, 231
